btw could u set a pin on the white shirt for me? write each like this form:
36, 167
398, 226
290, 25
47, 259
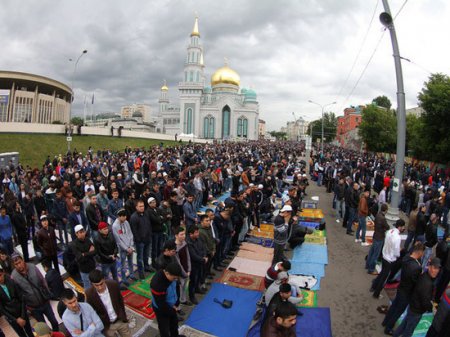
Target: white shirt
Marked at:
106, 300
391, 248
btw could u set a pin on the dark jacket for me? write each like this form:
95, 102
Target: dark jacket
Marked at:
381, 226
20, 224
155, 220
421, 224
94, 300
163, 261
431, 238
12, 306
73, 220
353, 198
197, 251
55, 283
85, 258
422, 295
339, 190
164, 294
410, 272
93, 218
141, 227
105, 246
46, 240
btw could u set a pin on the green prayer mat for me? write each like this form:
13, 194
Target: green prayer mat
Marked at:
142, 287
423, 326
309, 299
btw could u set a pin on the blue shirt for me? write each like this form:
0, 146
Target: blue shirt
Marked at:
92, 324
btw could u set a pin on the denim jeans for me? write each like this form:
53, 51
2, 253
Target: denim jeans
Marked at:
397, 308
340, 207
85, 279
406, 328
374, 253
7, 245
110, 268
319, 179
426, 257
351, 218
361, 227
409, 239
45, 309
124, 258
143, 254
157, 244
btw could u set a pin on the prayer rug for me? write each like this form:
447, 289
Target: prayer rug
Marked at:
266, 227
246, 254
309, 299
423, 326
308, 253
241, 280
391, 290
315, 322
138, 303
314, 225
187, 331
261, 234
72, 284
317, 240
139, 325
142, 287
247, 266
247, 246
209, 316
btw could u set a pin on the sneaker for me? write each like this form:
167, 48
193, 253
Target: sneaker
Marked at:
337, 220
357, 240
365, 244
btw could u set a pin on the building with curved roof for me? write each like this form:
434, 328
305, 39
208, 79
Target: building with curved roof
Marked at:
218, 109
30, 98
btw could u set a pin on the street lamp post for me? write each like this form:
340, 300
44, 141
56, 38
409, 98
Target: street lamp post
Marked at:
73, 97
387, 21
322, 107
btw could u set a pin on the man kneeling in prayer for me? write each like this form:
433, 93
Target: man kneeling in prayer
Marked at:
282, 323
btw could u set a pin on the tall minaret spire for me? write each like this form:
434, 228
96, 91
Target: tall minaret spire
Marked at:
195, 31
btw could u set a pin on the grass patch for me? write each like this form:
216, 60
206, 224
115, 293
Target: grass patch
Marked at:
34, 148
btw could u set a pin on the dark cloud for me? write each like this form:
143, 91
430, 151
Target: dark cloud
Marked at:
288, 51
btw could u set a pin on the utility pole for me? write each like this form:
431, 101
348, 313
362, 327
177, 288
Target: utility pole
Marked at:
393, 212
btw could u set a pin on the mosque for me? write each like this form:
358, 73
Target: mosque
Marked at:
221, 110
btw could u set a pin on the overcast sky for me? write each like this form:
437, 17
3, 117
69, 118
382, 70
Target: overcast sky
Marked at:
289, 52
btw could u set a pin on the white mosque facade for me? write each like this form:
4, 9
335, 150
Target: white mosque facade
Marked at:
221, 110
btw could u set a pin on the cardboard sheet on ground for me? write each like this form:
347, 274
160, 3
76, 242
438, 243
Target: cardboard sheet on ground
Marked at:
247, 266
261, 234
255, 256
310, 253
255, 248
315, 322
212, 318
241, 280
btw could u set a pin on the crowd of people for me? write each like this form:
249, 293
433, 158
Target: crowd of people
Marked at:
361, 185
98, 209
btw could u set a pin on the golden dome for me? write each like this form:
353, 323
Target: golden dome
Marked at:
225, 75
164, 87
195, 31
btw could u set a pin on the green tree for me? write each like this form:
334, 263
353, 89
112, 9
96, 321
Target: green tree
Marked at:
278, 135
329, 127
378, 129
435, 100
382, 101
77, 121
414, 137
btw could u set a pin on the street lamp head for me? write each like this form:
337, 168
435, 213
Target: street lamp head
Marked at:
385, 19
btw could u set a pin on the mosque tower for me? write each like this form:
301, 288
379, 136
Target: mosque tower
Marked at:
163, 99
191, 87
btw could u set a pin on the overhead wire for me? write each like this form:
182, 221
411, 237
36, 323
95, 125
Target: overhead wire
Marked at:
371, 57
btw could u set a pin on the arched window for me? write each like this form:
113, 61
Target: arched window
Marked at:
226, 116
191, 76
242, 127
188, 120
208, 127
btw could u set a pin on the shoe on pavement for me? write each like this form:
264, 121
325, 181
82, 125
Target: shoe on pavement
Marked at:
389, 332
365, 244
337, 220
357, 240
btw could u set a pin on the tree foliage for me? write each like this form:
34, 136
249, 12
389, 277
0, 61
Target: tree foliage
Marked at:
278, 135
435, 100
329, 127
378, 129
383, 101
77, 121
